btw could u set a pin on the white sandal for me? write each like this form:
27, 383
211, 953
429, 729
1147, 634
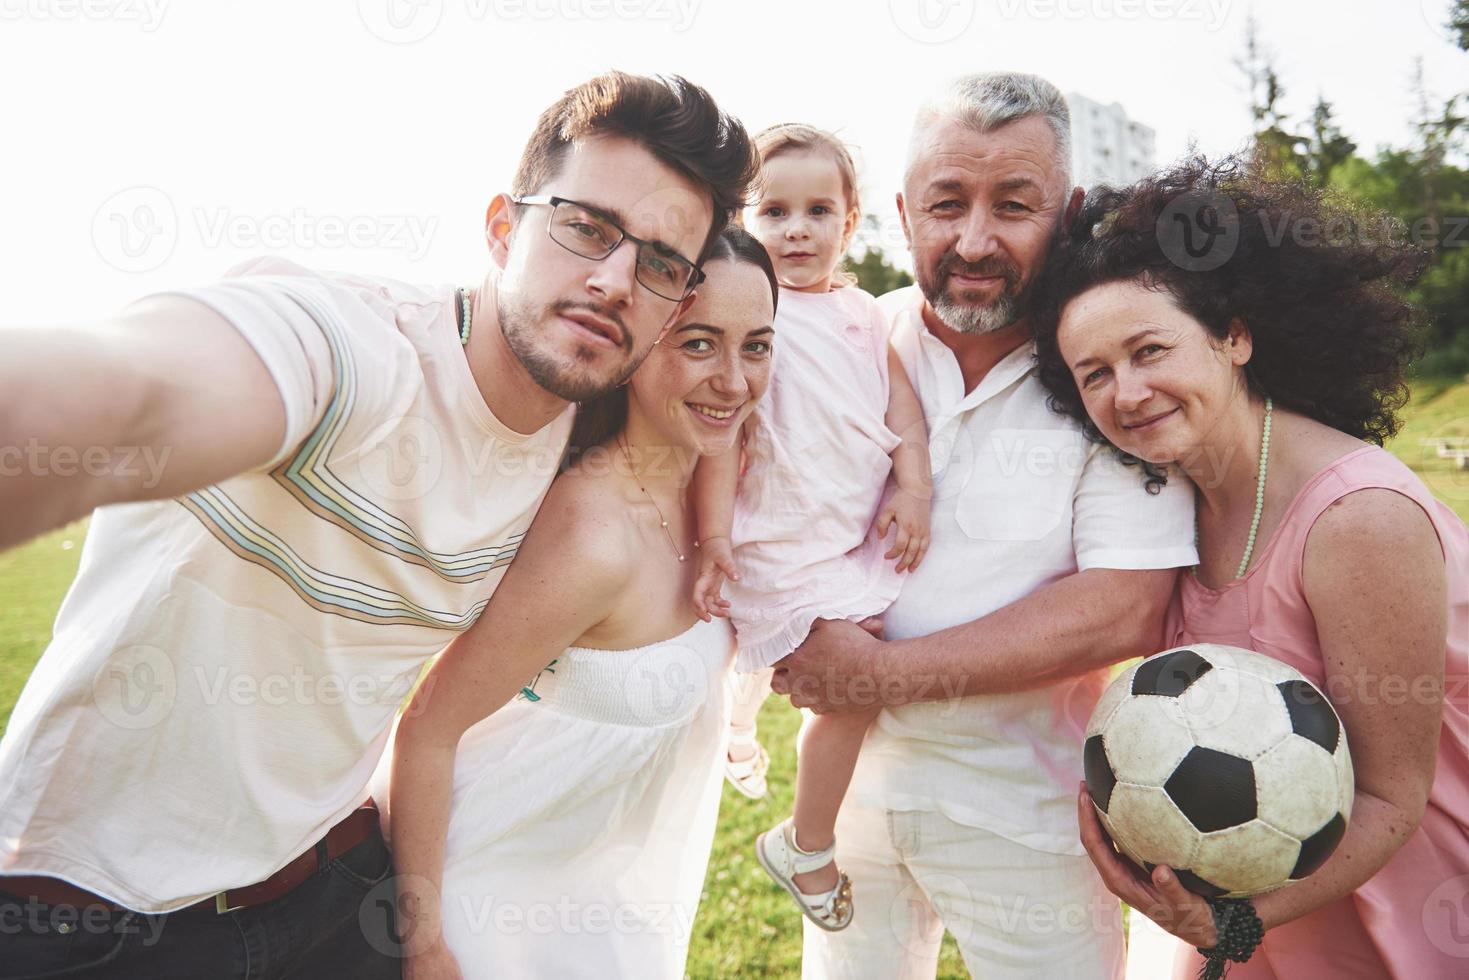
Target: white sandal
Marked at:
747, 775
778, 854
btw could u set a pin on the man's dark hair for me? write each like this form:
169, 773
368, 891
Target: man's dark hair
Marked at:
672, 118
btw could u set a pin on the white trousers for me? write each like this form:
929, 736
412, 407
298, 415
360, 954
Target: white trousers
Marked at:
1014, 911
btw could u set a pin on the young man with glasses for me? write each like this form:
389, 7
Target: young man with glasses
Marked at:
351, 463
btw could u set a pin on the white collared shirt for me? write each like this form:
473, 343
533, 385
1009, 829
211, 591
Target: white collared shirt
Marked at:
1021, 499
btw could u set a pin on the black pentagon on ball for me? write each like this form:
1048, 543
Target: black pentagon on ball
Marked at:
1215, 790
1310, 714
1318, 847
1198, 885
1169, 675
1099, 775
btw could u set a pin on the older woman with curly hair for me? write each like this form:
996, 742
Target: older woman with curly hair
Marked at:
1270, 376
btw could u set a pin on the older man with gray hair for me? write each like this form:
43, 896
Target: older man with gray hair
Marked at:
1049, 563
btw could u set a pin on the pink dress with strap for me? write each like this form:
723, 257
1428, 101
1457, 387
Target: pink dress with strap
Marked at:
1411, 920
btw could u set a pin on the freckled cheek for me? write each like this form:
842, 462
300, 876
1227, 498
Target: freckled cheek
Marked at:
757, 379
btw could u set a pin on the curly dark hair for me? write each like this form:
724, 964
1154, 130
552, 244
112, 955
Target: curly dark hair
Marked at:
1310, 275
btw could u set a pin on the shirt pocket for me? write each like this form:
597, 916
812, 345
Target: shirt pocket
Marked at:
1020, 483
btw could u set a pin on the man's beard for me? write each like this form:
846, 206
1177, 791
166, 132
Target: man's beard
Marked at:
572, 382
976, 318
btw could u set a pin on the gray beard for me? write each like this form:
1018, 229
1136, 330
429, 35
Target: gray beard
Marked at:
962, 318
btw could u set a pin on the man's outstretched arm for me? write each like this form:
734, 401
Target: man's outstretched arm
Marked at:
162, 399
1074, 625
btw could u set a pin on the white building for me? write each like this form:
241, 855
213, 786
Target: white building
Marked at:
1106, 146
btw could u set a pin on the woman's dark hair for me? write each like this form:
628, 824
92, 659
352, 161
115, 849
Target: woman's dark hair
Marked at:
674, 119
598, 421
1312, 277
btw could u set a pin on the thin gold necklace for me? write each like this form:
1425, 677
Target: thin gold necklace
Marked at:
663, 520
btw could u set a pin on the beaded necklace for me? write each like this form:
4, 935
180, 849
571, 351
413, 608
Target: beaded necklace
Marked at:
461, 302
1244, 563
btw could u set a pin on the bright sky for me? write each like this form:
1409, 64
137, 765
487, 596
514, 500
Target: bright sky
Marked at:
155, 143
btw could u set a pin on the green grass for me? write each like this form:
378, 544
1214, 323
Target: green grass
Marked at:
1442, 411
746, 926
33, 579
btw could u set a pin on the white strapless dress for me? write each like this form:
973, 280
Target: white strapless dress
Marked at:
584, 813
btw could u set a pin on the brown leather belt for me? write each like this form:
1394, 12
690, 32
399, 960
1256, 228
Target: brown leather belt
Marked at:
355, 828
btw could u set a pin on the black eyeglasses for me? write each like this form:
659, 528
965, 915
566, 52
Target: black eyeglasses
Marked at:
587, 232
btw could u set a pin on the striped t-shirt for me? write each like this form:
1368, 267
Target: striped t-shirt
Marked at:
226, 664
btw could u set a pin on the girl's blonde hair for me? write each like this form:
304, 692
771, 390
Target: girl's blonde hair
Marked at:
792, 137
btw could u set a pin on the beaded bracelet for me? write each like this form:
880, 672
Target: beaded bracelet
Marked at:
1240, 933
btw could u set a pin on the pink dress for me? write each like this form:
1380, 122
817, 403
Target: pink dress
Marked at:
816, 467
1411, 920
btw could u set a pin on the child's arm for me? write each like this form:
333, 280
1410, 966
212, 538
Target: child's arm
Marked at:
909, 506
716, 479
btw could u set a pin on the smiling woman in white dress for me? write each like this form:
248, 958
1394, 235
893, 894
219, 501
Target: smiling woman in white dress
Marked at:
558, 824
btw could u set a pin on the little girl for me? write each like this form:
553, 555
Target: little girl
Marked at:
804, 539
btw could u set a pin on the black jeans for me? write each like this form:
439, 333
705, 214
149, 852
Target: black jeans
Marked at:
336, 924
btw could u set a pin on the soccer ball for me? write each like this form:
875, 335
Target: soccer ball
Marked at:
1224, 764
